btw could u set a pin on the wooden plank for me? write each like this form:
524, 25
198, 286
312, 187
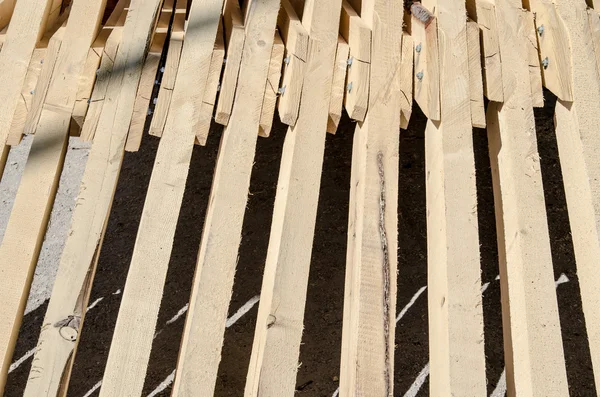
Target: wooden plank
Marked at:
535, 71
553, 48
211, 290
274, 360
6, 10
484, 13
3, 36
358, 36
532, 338
426, 69
28, 25
338, 85
272, 87
109, 53
163, 104
54, 355
134, 330
454, 273
27, 224
406, 80
212, 87
367, 366
579, 144
234, 38
295, 37
475, 76
594, 18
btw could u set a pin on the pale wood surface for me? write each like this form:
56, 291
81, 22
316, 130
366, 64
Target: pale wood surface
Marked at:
367, 364
456, 348
579, 144
213, 280
475, 76
234, 39
267, 114
426, 70
535, 71
406, 80
274, 360
594, 18
338, 85
70, 295
532, 337
134, 331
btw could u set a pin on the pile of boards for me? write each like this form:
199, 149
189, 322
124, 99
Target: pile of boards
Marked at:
173, 67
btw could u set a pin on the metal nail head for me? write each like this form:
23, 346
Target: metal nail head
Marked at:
350, 87
545, 62
420, 76
540, 30
418, 48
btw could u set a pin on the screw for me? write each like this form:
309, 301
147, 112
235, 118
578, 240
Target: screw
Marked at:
42, 61
349, 87
420, 75
281, 90
540, 30
156, 82
162, 70
149, 111
32, 92
224, 61
219, 87
349, 61
418, 48
287, 60
155, 100
89, 100
545, 63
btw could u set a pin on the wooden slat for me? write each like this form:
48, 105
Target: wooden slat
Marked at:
535, 71
338, 85
367, 365
274, 360
358, 36
532, 339
271, 88
406, 80
213, 280
426, 71
6, 10
134, 330
163, 104
295, 37
212, 87
54, 355
484, 13
28, 25
579, 144
454, 275
554, 49
234, 39
109, 53
594, 18
475, 76
27, 224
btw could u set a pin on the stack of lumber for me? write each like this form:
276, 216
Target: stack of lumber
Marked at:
170, 68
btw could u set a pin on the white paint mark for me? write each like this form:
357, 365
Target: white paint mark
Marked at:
335, 393
180, 313
117, 292
485, 287
418, 383
20, 361
93, 389
241, 311
164, 384
500, 389
90, 307
497, 277
230, 321
410, 303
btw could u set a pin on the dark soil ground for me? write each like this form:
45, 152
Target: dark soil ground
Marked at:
320, 352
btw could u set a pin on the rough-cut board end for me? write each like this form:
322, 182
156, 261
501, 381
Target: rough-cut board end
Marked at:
421, 14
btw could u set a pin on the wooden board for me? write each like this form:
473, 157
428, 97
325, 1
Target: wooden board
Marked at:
274, 360
338, 85
475, 76
54, 355
426, 69
532, 337
579, 144
213, 280
454, 275
594, 18
358, 36
535, 70
28, 25
234, 39
295, 37
31, 210
484, 13
6, 10
267, 113
406, 80
368, 336
134, 330
212, 87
